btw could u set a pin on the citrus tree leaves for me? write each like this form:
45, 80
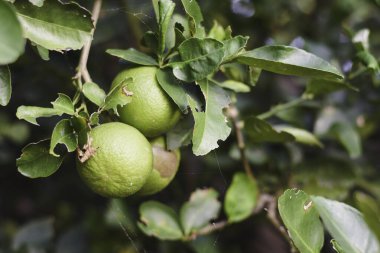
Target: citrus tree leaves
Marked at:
347, 226
55, 26
5, 85
132, 55
300, 135
94, 93
210, 125
199, 58
63, 104
165, 12
31, 113
302, 220
63, 133
241, 197
202, 207
160, 221
36, 161
290, 61
260, 131
194, 11
12, 41
317, 87
118, 96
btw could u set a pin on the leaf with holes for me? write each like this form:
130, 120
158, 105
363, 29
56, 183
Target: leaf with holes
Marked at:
118, 96
63, 133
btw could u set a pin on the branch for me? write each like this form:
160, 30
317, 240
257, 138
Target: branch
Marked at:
207, 230
82, 71
233, 114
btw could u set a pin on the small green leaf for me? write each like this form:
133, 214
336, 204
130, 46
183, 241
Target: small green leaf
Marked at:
31, 113
5, 85
349, 137
336, 246
361, 39
132, 55
200, 58
94, 118
38, 3
63, 104
81, 128
302, 220
317, 87
347, 226
166, 8
94, 93
194, 12
35, 161
370, 208
241, 198
369, 60
234, 46
210, 125
180, 135
217, 32
43, 52
118, 96
12, 42
173, 87
236, 86
254, 75
300, 135
63, 133
260, 131
159, 220
55, 26
197, 213
290, 61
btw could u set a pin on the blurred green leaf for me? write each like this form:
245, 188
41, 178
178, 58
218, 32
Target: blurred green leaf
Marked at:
55, 26
43, 52
370, 208
260, 131
132, 55
181, 134
63, 133
241, 198
118, 96
349, 137
194, 12
94, 93
361, 39
197, 213
159, 220
302, 220
5, 85
347, 226
236, 86
173, 87
318, 87
210, 125
12, 41
217, 32
31, 113
120, 214
300, 135
63, 104
166, 8
234, 46
199, 58
36, 161
290, 61
38, 3
336, 246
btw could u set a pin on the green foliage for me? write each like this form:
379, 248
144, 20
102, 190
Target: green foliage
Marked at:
5, 85
132, 55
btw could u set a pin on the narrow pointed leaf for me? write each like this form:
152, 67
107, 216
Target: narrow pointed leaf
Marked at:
132, 55
302, 220
347, 226
300, 135
94, 93
290, 61
55, 26
317, 87
261, 131
63, 133
210, 125
166, 8
35, 161
12, 42
5, 85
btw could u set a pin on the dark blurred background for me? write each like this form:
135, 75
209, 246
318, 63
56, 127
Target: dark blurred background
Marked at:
59, 214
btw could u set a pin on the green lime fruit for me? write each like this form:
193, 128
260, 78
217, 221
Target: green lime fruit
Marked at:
165, 167
151, 110
117, 160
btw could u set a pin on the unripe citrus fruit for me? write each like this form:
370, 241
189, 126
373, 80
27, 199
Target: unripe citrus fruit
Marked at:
165, 167
151, 110
120, 160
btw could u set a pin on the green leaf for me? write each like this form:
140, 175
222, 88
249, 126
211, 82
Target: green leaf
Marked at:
31, 113
302, 220
260, 131
370, 208
290, 61
5, 85
361, 39
166, 8
43, 52
217, 32
94, 93
12, 42
132, 55
180, 135
35, 161
336, 246
234, 46
200, 58
173, 87
254, 75
38, 3
347, 226
159, 220
369, 60
55, 26
118, 96
349, 137
317, 87
81, 128
197, 213
194, 12
236, 86
210, 125
241, 198
300, 135
63, 104
63, 133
